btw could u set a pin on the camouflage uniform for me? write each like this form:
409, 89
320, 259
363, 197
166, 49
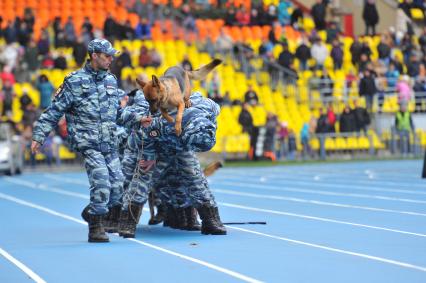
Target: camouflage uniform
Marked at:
90, 101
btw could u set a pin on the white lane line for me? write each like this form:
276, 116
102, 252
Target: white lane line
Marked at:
316, 192
319, 219
285, 175
256, 209
44, 187
67, 180
370, 257
194, 260
289, 181
316, 202
22, 267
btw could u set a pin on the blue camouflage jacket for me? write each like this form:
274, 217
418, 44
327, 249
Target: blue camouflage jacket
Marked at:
130, 119
90, 101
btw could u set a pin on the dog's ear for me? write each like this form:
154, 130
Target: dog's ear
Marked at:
141, 83
155, 81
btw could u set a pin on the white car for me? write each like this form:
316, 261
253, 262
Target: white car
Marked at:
11, 151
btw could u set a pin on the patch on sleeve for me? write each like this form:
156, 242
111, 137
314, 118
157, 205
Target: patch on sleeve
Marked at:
59, 90
154, 133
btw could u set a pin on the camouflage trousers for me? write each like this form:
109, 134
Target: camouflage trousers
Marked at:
105, 178
137, 183
180, 182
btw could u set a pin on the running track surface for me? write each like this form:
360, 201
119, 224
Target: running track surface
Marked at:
334, 222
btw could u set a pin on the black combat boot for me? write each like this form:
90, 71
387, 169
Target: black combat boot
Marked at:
129, 220
180, 218
172, 217
192, 223
85, 214
209, 224
112, 219
159, 217
96, 230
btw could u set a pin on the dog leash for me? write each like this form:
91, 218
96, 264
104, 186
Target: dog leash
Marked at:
136, 176
244, 223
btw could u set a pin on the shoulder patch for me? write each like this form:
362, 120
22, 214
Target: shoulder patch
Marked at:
154, 133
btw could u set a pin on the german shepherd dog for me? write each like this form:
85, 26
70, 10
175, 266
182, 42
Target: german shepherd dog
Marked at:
173, 90
155, 219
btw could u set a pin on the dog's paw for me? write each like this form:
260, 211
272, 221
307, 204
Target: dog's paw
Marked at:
178, 129
188, 104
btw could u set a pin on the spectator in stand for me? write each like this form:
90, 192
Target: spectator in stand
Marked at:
60, 62
269, 142
404, 126
331, 119
7, 75
30, 57
282, 12
347, 120
79, 51
286, 58
251, 97
224, 45
413, 66
296, 18
69, 32
143, 29
43, 44
282, 137
292, 145
129, 32
109, 27
384, 50
303, 54
407, 46
322, 124
124, 60
25, 99
392, 75
155, 58
319, 52
186, 63
271, 15
304, 140
6, 96
332, 33
422, 41
86, 35
213, 87
23, 34
318, 12
356, 49
31, 114
368, 89
405, 92
420, 88
245, 119
337, 54
46, 89
362, 118
370, 16
230, 17
10, 33
144, 57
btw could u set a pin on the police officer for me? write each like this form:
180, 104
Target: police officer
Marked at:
199, 129
90, 100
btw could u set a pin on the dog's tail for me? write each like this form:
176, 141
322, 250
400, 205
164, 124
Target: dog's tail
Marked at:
211, 168
201, 73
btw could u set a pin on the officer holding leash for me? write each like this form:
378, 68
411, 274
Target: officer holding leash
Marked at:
90, 100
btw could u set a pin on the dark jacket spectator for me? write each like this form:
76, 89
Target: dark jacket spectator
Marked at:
318, 12
60, 62
347, 121
245, 119
356, 49
251, 97
362, 118
79, 51
337, 55
109, 27
303, 54
30, 57
286, 58
370, 16
25, 100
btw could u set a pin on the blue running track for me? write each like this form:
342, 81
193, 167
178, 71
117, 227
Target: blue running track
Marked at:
334, 222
